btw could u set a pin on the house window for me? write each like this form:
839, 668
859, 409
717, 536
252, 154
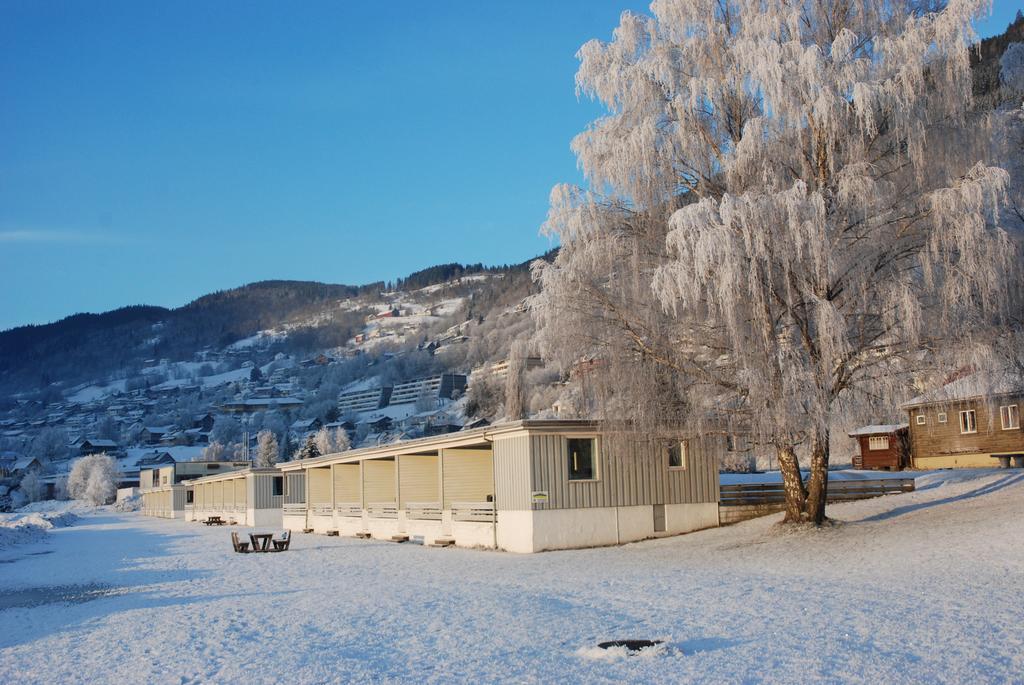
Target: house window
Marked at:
1010, 417
278, 486
942, 417
582, 463
190, 497
678, 455
968, 421
880, 442
921, 420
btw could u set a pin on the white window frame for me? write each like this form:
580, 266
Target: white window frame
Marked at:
942, 417
921, 419
972, 419
878, 440
596, 455
1015, 423
684, 455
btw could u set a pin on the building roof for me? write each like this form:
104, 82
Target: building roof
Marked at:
975, 385
878, 429
97, 442
234, 473
463, 438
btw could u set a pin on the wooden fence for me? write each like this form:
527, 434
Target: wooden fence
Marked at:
741, 501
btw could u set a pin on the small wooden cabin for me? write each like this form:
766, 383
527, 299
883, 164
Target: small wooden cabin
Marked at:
882, 447
525, 486
968, 423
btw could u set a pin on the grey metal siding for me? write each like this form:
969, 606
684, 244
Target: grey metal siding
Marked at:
263, 491
296, 488
512, 473
630, 473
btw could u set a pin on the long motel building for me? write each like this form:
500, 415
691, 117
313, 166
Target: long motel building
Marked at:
525, 486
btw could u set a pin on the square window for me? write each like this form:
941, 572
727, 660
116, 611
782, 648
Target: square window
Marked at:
582, 462
880, 442
968, 421
942, 417
1009, 417
678, 455
921, 420
278, 486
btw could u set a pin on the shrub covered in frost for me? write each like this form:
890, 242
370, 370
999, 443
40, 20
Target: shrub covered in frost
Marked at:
93, 479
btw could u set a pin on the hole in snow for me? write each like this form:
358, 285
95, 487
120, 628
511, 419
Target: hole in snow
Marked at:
630, 645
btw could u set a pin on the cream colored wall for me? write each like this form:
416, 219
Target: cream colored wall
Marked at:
318, 484
956, 461
378, 481
468, 475
347, 488
419, 478
515, 531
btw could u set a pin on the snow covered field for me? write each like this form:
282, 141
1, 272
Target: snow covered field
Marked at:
921, 587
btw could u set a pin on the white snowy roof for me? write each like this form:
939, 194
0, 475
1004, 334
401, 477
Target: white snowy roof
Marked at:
878, 429
979, 384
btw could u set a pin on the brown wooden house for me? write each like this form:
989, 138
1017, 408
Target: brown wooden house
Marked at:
968, 423
882, 447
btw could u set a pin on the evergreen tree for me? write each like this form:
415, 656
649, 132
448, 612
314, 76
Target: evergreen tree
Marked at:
309, 450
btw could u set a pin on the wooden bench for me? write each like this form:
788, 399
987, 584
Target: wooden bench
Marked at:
332, 533
364, 535
281, 545
241, 547
401, 537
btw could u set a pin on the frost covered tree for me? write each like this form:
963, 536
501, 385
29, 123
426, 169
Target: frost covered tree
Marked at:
787, 203
332, 441
1011, 67
266, 449
515, 382
226, 430
213, 451
31, 487
50, 445
93, 479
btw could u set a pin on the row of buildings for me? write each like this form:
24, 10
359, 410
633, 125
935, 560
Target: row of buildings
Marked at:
525, 486
968, 423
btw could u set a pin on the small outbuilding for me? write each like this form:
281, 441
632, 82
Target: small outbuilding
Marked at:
883, 447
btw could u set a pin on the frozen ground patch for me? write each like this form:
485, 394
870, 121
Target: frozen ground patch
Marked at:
919, 587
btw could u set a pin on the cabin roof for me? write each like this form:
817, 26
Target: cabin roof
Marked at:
975, 385
878, 429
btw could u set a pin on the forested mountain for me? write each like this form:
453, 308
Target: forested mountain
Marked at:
118, 343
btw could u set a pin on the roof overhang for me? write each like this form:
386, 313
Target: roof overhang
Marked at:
477, 437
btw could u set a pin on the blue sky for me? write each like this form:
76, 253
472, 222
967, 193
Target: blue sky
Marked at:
154, 152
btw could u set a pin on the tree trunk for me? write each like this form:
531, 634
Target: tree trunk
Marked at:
792, 484
817, 490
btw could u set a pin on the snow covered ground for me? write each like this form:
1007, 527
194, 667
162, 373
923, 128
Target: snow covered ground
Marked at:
921, 587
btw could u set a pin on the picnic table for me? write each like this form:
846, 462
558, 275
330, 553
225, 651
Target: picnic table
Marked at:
214, 521
261, 541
